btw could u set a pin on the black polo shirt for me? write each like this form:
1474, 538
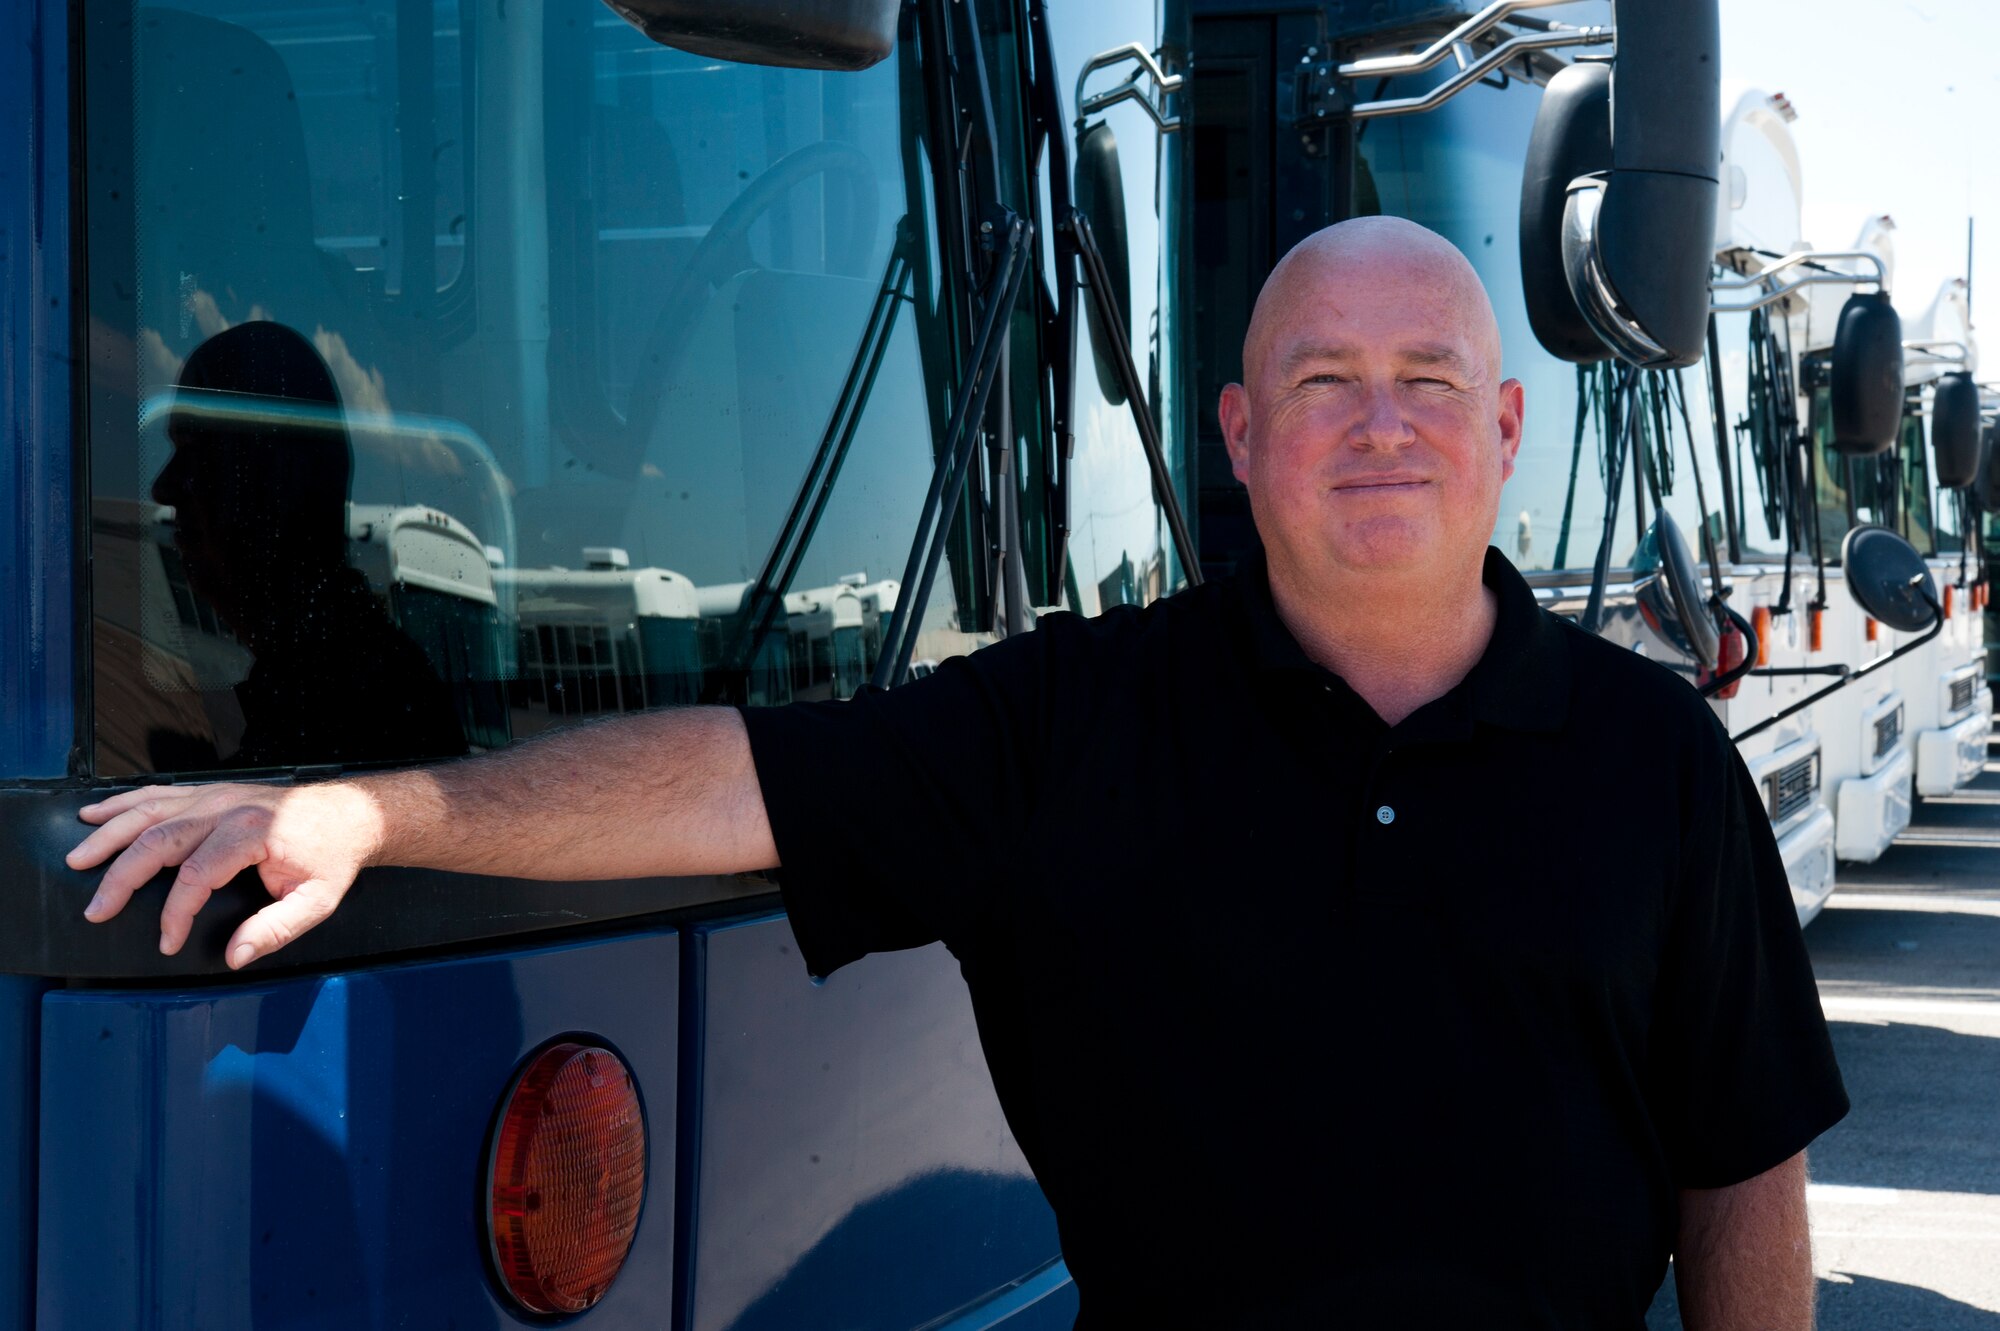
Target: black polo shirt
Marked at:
1298, 1015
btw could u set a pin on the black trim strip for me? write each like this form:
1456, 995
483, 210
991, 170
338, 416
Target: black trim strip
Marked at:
390, 912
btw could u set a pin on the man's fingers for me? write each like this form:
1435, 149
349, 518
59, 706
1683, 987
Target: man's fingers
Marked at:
154, 849
111, 806
120, 830
213, 863
282, 921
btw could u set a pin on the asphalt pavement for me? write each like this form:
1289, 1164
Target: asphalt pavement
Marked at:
1905, 1192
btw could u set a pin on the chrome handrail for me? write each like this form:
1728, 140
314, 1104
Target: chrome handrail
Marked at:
1132, 89
1389, 66
1478, 69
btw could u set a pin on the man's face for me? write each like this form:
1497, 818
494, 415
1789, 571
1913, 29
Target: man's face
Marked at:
1372, 431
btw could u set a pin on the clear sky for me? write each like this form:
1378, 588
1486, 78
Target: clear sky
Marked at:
1899, 113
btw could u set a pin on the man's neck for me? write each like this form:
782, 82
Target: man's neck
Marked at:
1396, 641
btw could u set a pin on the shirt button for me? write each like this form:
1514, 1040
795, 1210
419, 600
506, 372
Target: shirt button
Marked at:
1385, 815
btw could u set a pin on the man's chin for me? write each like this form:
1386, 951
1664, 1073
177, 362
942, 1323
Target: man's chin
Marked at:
1385, 546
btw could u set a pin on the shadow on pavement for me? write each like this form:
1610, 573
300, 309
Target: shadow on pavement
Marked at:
1860, 1303
1932, 954
1912, 867
1924, 1114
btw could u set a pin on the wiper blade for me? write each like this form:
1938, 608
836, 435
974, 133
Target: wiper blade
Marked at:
1002, 292
766, 595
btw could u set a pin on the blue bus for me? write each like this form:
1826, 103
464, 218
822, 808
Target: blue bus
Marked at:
392, 379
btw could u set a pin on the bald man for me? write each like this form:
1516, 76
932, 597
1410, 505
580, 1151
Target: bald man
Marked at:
1299, 1006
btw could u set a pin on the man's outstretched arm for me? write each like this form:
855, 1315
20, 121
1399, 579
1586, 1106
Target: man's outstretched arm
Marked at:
659, 794
1743, 1261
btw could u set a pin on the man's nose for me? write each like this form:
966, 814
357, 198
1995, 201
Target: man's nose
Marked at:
1383, 422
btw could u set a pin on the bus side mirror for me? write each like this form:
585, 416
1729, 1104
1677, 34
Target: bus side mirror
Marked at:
1100, 196
1669, 593
1865, 384
1955, 430
1571, 138
1638, 239
1889, 579
795, 34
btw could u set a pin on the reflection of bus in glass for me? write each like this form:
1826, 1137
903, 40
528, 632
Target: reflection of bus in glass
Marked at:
437, 580
1497, 128
477, 288
604, 638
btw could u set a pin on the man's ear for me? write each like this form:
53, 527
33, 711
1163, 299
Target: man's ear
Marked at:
1234, 410
1513, 407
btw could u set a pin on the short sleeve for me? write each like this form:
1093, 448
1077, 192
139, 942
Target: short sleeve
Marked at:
895, 813
1743, 1066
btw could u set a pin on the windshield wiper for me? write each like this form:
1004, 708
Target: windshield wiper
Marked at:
954, 464
765, 596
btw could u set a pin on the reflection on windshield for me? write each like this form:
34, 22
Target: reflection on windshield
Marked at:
259, 520
580, 362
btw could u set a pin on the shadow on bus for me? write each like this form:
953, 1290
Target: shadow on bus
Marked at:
899, 1258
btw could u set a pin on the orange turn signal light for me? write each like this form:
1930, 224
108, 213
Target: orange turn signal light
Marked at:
566, 1178
1819, 629
1760, 623
1874, 630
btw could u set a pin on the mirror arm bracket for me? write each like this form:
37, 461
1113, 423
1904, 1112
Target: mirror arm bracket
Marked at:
1524, 44
1112, 320
1445, 47
1774, 291
1937, 627
1750, 648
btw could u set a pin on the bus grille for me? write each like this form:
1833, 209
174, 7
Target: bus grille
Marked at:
1961, 692
1792, 787
1888, 729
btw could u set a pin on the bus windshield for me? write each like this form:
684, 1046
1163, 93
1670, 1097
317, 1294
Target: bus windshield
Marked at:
503, 347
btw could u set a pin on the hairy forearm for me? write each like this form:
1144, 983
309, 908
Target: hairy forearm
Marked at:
659, 793
1743, 1261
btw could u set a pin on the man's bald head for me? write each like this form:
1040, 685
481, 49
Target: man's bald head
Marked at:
1372, 426
1364, 257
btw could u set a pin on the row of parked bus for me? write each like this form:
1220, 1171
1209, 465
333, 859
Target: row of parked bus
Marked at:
1693, 499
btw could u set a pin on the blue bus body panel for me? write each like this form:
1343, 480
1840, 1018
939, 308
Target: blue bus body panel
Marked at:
311, 1152
37, 628
853, 1168
20, 1015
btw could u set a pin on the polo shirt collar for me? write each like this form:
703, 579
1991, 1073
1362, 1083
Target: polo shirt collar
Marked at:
1520, 683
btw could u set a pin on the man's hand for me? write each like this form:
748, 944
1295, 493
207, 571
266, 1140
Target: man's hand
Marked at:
307, 843
655, 794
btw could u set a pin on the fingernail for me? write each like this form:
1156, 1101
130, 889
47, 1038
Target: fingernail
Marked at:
243, 955
87, 808
90, 911
166, 948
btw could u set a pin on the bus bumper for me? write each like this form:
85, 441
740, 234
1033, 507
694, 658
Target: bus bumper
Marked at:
1872, 810
1808, 854
1948, 758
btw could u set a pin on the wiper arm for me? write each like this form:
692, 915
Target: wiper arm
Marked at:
1111, 323
767, 594
954, 464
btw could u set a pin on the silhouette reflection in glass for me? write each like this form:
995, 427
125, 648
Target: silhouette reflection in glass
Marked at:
259, 489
